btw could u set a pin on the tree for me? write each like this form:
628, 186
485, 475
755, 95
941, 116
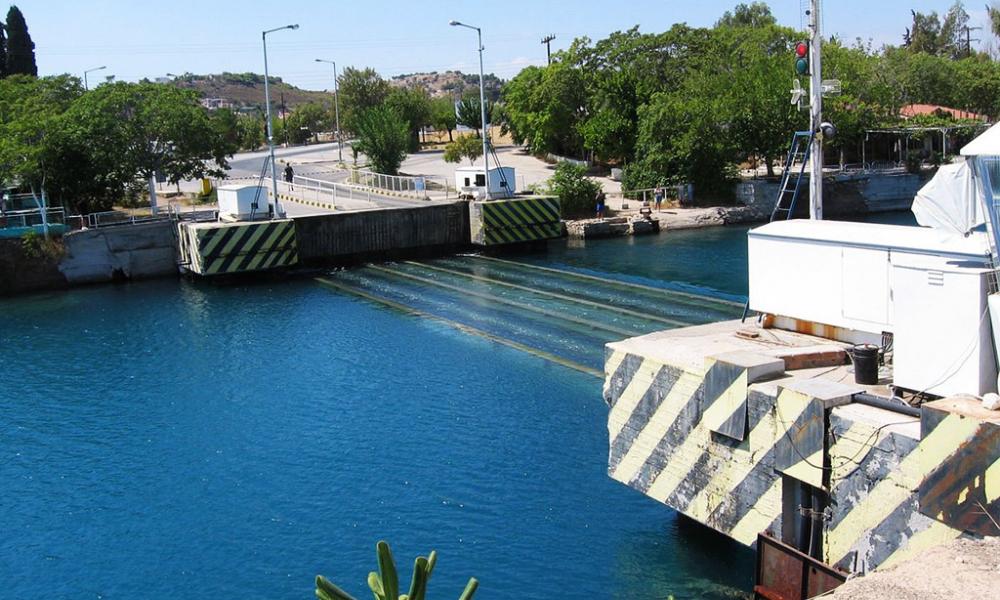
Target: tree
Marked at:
250, 131
466, 146
443, 117
576, 191
37, 151
544, 108
414, 105
756, 14
360, 90
471, 116
3, 52
136, 130
383, 136
307, 121
20, 48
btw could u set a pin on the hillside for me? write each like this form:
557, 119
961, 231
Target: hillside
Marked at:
450, 83
246, 90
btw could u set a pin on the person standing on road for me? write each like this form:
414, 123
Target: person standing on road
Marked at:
289, 176
658, 197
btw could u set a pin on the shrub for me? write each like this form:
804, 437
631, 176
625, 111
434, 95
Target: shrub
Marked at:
577, 193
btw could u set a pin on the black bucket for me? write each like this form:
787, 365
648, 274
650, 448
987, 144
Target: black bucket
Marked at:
865, 358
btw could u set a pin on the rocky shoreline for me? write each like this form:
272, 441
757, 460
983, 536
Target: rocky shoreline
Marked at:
663, 220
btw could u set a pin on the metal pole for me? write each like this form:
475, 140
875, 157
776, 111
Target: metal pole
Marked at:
270, 132
815, 113
336, 111
482, 108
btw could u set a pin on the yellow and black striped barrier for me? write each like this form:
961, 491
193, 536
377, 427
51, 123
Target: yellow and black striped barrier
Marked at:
227, 248
496, 222
733, 454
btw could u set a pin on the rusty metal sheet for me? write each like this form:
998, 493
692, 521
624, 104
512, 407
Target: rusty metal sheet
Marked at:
784, 573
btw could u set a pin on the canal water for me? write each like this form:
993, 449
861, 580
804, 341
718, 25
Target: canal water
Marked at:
189, 440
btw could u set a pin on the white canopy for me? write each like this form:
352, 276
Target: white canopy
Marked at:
986, 144
951, 201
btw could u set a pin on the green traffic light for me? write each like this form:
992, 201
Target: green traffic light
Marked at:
802, 66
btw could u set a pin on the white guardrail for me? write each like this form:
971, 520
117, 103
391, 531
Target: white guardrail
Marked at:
337, 195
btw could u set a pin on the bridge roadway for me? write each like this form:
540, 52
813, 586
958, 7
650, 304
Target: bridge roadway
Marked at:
319, 162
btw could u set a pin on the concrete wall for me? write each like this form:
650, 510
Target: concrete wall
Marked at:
843, 194
388, 232
122, 252
22, 272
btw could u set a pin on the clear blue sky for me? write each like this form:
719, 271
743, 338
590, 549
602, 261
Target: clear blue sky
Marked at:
137, 39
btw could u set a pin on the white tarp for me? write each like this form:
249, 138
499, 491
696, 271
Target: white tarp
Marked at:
950, 201
986, 144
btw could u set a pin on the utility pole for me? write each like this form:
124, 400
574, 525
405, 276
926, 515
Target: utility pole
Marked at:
969, 39
815, 112
284, 120
547, 40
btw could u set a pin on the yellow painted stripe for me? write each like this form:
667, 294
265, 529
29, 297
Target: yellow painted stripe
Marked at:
614, 361
938, 533
790, 406
759, 517
733, 472
631, 396
889, 493
236, 241
662, 420
725, 405
991, 482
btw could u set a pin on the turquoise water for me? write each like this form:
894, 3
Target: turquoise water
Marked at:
189, 440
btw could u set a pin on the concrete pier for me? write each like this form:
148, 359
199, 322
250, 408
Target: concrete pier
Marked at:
751, 430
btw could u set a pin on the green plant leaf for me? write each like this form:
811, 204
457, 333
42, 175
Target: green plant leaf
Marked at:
431, 561
375, 584
387, 570
470, 589
326, 590
418, 584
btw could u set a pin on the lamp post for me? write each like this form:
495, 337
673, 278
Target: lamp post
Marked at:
85, 86
270, 130
336, 107
482, 104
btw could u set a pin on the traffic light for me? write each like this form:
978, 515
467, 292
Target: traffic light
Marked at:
802, 58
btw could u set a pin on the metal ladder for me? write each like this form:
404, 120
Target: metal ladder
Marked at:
788, 193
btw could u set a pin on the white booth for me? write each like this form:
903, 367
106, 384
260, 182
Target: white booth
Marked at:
236, 202
470, 181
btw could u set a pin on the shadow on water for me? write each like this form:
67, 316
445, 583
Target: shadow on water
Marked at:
683, 559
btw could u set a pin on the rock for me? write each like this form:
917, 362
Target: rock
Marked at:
991, 401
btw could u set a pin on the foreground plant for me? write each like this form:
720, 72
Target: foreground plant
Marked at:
385, 583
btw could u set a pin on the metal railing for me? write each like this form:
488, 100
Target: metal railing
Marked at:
12, 219
338, 195
681, 193
418, 187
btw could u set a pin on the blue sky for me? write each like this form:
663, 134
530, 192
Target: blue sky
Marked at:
150, 39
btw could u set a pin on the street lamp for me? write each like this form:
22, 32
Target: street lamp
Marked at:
482, 103
85, 86
270, 130
336, 107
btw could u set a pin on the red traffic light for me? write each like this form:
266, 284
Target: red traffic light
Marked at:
801, 49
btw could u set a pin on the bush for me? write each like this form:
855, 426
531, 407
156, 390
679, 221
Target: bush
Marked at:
577, 193
34, 245
384, 137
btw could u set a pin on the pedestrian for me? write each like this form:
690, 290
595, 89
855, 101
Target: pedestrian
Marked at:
658, 197
600, 204
289, 176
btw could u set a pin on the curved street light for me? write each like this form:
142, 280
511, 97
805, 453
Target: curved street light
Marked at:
270, 131
85, 85
482, 103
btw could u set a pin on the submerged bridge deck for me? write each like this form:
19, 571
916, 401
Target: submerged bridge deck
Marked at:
560, 314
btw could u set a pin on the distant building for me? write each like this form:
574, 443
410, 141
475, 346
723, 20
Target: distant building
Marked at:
216, 103
912, 110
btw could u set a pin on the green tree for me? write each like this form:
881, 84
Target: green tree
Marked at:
383, 136
443, 117
471, 116
466, 146
20, 48
576, 191
307, 121
33, 135
3, 52
544, 108
360, 90
414, 105
250, 130
755, 14
136, 130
